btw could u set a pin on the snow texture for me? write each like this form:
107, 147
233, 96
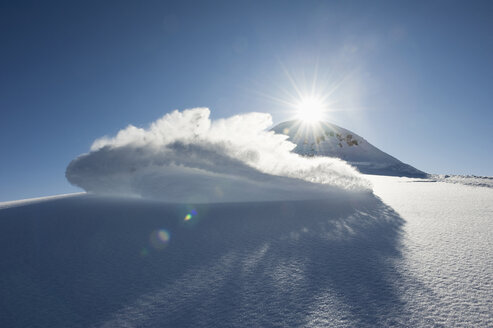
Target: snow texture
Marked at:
468, 180
88, 261
447, 254
186, 157
326, 139
420, 257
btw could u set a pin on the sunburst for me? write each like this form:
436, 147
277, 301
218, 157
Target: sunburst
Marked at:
310, 109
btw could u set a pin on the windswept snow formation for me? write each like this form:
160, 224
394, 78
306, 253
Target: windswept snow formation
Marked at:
186, 157
326, 139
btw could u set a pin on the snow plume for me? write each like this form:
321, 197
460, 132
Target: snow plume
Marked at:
186, 157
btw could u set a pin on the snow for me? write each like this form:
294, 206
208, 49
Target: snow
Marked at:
469, 180
326, 139
418, 254
447, 258
199, 223
186, 156
21, 202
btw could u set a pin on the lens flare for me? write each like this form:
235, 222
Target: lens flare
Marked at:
159, 239
190, 215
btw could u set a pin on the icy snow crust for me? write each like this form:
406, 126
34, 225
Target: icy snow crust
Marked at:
420, 257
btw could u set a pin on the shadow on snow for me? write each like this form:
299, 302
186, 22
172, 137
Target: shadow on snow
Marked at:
88, 261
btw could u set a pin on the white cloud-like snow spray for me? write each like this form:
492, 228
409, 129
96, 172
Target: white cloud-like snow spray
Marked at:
186, 157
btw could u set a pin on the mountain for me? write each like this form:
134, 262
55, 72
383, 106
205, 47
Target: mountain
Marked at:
326, 139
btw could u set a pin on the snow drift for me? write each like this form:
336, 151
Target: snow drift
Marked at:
186, 157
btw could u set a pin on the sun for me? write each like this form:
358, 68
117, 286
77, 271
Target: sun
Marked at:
310, 110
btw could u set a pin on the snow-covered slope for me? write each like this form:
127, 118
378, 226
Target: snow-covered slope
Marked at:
347, 261
88, 261
447, 254
326, 139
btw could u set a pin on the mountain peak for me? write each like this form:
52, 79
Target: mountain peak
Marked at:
327, 139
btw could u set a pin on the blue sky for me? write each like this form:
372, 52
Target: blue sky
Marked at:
414, 78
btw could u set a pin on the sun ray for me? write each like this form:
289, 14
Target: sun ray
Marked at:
308, 97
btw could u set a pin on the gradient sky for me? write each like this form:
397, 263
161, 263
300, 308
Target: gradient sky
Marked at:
415, 78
